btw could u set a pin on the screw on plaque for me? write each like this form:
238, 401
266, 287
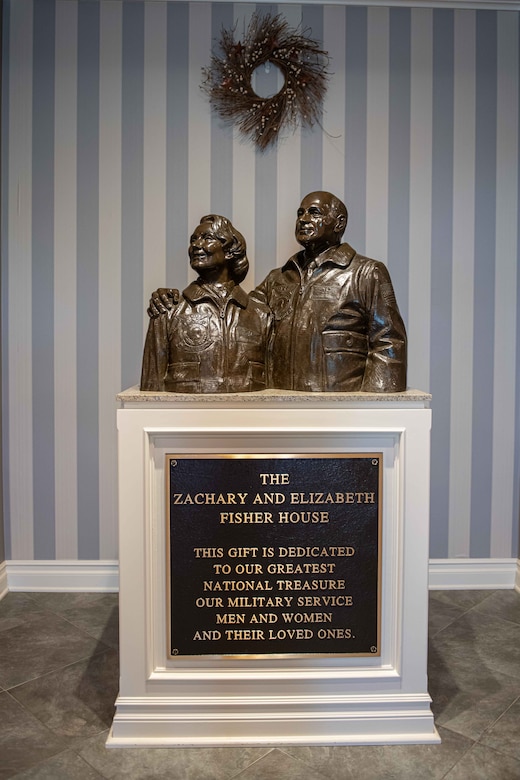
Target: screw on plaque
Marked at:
375, 461
373, 649
175, 651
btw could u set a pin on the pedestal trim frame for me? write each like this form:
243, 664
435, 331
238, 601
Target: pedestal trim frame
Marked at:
273, 700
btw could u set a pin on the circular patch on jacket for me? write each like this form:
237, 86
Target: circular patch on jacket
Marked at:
195, 332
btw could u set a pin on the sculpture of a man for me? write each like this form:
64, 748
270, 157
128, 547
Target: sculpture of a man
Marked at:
337, 326
336, 323
215, 339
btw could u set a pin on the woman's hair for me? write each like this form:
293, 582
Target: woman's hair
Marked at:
234, 243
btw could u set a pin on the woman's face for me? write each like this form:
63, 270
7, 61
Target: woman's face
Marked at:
206, 250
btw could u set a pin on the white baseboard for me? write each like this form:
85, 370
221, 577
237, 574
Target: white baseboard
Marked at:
103, 576
473, 573
93, 576
3, 580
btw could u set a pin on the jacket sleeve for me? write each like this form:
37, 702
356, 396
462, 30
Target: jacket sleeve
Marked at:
385, 370
155, 355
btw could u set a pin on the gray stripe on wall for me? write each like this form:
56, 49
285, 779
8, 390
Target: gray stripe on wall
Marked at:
177, 134
515, 547
484, 315
356, 124
221, 196
399, 155
43, 279
87, 280
441, 282
266, 201
4, 239
311, 141
132, 192
2, 198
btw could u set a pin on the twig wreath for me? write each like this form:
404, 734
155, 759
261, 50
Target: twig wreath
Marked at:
268, 39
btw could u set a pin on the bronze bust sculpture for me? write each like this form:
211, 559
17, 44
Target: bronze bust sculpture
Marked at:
337, 326
215, 339
336, 323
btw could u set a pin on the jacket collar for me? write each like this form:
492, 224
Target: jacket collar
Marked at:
199, 291
340, 256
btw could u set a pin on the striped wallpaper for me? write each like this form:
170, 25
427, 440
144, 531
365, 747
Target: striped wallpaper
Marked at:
110, 156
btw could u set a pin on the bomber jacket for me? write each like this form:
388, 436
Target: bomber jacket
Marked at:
208, 343
337, 326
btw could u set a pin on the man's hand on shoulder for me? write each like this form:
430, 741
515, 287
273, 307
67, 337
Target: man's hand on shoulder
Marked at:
162, 300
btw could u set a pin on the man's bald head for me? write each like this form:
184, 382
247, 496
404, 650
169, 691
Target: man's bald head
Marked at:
321, 221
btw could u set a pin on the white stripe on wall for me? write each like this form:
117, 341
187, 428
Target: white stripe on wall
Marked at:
505, 283
420, 199
199, 144
110, 100
19, 279
65, 188
462, 280
334, 109
243, 216
154, 176
243, 195
376, 235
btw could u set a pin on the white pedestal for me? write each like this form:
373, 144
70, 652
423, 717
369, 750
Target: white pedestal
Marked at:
273, 700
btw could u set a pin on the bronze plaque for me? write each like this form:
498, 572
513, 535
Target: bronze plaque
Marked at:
274, 554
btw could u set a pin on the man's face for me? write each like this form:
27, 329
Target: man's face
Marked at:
206, 251
314, 222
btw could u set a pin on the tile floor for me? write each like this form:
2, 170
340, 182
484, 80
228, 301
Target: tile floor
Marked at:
59, 677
